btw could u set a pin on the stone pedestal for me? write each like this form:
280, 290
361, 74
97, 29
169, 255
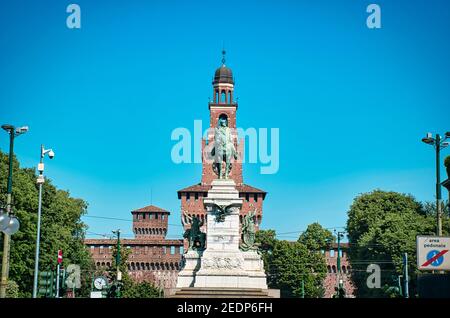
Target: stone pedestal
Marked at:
222, 264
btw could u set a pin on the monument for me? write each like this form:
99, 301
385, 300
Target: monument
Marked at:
223, 259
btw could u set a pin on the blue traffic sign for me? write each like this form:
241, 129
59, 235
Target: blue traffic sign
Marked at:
438, 261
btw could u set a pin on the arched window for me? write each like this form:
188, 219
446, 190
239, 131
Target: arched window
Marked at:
329, 269
334, 269
344, 270
152, 266
223, 98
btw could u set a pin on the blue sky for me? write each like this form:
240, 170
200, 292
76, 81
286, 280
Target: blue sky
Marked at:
351, 103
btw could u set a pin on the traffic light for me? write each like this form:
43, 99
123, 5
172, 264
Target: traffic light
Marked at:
62, 280
46, 283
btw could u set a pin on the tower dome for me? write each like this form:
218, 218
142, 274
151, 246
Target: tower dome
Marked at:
223, 75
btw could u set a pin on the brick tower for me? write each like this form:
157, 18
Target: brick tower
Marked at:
222, 104
150, 222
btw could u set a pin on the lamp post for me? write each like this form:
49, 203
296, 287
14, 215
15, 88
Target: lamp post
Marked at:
10, 223
118, 260
339, 282
40, 180
439, 143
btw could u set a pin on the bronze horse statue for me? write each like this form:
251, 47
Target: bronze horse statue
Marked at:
223, 149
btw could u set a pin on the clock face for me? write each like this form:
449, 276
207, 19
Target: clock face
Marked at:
100, 283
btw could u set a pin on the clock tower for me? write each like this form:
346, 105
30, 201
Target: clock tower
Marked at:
223, 104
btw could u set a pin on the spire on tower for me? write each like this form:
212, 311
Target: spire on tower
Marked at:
223, 57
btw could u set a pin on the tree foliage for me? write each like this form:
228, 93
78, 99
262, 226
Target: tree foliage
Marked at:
288, 264
130, 288
61, 227
382, 226
316, 238
266, 240
447, 165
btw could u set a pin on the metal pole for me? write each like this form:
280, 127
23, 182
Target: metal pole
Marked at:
118, 263
405, 266
400, 285
303, 288
339, 254
6, 237
38, 240
438, 187
38, 235
57, 281
338, 260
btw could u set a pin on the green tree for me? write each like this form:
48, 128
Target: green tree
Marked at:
316, 238
381, 227
447, 165
287, 264
61, 227
12, 290
292, 263
130, 288
266, 239
429, 209
142, 290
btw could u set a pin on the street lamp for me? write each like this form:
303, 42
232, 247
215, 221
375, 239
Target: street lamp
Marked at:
340, 291
40, 181
9, 223
118, 260
438, 143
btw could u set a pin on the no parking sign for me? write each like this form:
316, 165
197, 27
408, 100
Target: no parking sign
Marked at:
433, 253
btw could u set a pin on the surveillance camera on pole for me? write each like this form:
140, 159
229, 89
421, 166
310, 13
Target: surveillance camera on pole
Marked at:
40, 181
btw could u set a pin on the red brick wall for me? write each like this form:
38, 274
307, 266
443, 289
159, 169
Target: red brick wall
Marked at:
331, 280
150, 260
150, 226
